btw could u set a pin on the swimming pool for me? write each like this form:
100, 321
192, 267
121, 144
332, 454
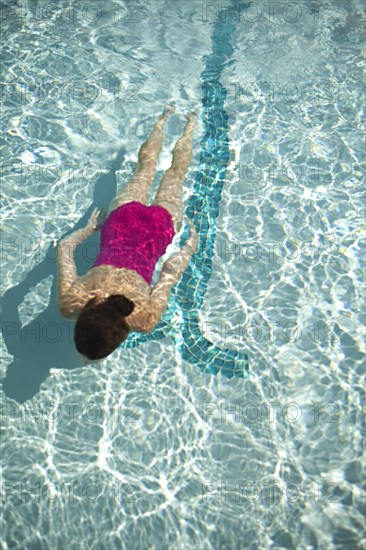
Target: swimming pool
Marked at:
145, 450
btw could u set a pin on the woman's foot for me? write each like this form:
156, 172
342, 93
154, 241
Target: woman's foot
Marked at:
192, 115
169, 110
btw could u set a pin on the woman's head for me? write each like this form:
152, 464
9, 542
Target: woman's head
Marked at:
100, 327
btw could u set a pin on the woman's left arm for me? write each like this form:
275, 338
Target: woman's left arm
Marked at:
170, 274
66, 268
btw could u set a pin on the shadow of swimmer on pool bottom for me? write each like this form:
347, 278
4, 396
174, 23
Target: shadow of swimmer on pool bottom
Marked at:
115, 297
36, 348
46, 341
31, 365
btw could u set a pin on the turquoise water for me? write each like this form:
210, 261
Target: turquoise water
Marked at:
151, 448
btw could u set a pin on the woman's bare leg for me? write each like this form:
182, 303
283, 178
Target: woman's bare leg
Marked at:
139, 186
169, 194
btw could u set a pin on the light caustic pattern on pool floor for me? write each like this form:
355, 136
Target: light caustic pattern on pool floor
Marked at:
143, 450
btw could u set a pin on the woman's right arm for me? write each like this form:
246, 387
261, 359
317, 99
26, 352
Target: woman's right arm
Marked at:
66, 268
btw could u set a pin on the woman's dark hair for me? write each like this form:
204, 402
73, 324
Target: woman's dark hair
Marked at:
100, 328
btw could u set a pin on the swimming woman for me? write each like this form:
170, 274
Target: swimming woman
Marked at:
115, 296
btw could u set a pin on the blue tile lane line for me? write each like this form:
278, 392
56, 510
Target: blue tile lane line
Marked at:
181, 319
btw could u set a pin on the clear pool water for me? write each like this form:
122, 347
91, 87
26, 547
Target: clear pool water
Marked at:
151, 449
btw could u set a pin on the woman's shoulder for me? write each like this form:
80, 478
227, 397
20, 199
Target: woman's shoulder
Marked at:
105, 280
73, 301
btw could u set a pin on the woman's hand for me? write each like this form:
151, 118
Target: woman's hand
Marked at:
192, 240
174, 266
96, 219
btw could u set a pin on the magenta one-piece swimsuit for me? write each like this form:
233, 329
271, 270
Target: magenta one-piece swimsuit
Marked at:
135, 236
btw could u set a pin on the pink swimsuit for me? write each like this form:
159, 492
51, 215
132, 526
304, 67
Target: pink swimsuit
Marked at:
135, 236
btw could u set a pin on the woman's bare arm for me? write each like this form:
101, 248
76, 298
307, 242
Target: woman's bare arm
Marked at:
170, 274
67, 274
